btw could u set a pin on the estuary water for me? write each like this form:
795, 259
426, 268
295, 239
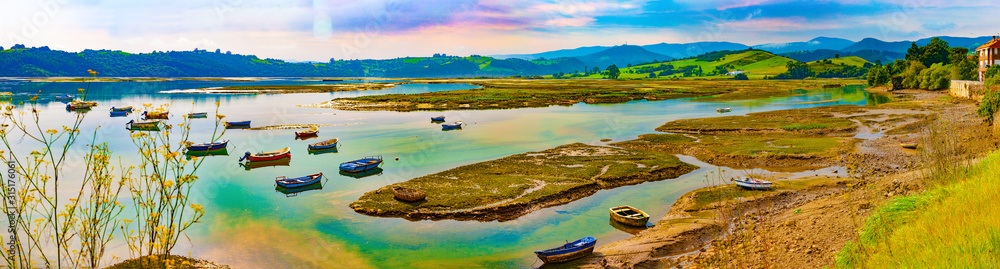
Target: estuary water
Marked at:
249, 224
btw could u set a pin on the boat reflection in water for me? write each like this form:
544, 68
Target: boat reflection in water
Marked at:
218, 152
292, 192
373, 172
323, 151
279, 162
634, 230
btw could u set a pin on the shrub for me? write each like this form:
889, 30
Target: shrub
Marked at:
741, 76
988, 106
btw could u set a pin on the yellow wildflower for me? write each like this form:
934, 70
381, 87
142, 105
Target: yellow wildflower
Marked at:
220, 116
33, 98
52, 131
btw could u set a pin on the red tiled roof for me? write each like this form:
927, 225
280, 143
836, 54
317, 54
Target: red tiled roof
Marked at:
995, 43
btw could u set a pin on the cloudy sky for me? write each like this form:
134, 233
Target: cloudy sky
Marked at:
318, 30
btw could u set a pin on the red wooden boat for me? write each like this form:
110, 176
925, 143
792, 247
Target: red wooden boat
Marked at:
267, 156
312, 131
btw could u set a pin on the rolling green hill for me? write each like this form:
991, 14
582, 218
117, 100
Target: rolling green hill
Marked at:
851, 60
756, 63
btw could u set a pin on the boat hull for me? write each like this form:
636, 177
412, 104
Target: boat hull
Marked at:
909, 145
361, 165
198, 115
238, 124
441, 118
208, 146
568, 252
408, 194
299, 181
261, 164
629, 216
325, 145
269, 158
753, 185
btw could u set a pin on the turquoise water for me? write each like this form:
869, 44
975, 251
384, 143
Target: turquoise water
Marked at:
250, 225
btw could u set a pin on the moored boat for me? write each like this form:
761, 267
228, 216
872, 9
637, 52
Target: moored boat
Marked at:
724, 110
147, 125
64, 97
198, 115
208, 146
361, 165
752, 183
80, 105
909, 144
121, 109
299, 181
156, 114
408, 194
438, 118
324, 145
312, 131
629, 216
456, 125
569, 251
238, 124
267, 156
286, 161
119, 113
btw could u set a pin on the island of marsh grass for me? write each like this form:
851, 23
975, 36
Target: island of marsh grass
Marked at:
810, 120
512, 186
953, 226
522, 93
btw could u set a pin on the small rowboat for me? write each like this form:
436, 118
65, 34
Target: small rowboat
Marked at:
287, 161
324, 145
267, 156
408, 194
121, 109
156, 114
629, 216
909, 144
312, 131
198, 115
80, 105
119, 113
456, 125
361, 165
238, 124
148, 125
208, 146
753, 183
438, 118
724, 110
64, 97
299, 181
570, 251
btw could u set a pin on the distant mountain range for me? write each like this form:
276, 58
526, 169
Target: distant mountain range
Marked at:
20, 61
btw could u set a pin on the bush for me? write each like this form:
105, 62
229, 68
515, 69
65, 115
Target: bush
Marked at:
988, 106
911, 75
741, 76
938, 77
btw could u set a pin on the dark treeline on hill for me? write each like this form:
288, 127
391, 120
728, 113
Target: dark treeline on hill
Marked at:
929, 67
823, 54
20, 61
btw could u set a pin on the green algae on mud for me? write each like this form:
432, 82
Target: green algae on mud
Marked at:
526, 93
817, 120
510, 187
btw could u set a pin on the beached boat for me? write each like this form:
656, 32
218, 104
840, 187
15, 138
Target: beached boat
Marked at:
267, 156
64, 97
752, 183
121, 109
208, 146
238, 124
570, 251
909, 144
360, 175
286, 161
361, 165
324, 145
80, 105
438, 118
629, 215
119, 113
156, 114
292, 192
198, 115
147, 125
408, 194
299, 181
456, 125
312, 131
724, 110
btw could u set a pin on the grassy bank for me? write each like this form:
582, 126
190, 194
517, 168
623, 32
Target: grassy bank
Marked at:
512, 186
954, 225
523, 93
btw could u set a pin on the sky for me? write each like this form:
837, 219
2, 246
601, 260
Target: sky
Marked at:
317, 30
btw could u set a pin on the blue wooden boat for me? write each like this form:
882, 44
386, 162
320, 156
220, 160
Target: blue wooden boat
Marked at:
119, 113
438, 118
64, 97
238, 124
324, 145
570, 251
456, 125
361, 165
121, 109
299, 181
753, 183
208, 146
198, 115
